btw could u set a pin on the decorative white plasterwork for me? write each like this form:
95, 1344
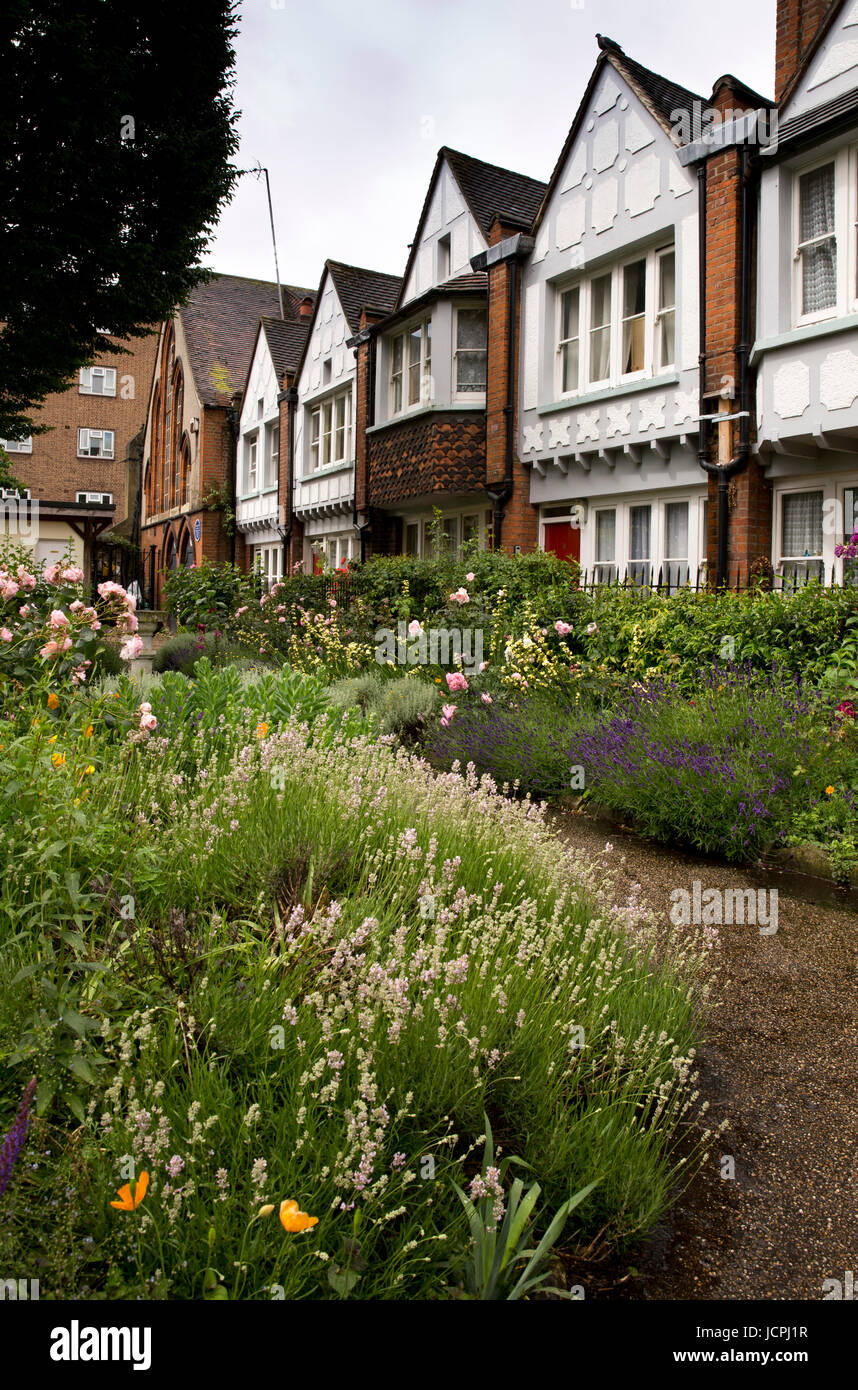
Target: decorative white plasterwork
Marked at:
851, 15
651, 413
315, 376
588, 426
315, 346
570, 221
643, 184
558, 433
605, 203
638, 133
839, 58
327, 338
606, 145
435, 215
338, 362
577, 168
328, 307
608, 96
618, 419
540, 250
532, 439
680, 182
339, 329
791, 390
459, 245
686, 406
838, 380
453, 198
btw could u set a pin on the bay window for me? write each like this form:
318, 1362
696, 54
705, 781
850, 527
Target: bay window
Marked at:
471, 351
625, 319
330, 430
411, 367
801, 535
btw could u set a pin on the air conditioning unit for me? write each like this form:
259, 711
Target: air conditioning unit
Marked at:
96, 499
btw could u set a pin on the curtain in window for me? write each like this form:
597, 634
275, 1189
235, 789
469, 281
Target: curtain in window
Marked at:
802, 525
606, 530
676, 531
639, 537
816, 226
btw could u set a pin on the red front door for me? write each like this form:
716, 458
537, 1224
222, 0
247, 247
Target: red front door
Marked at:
563, 539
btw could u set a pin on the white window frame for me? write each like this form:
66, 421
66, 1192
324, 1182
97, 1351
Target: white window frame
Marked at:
252, 463
660, 314
18, 446
652, 257
453, 520
272, 455
323, 449
425, 367
833, 490
84, 443
90, 375
845, 161
657, 501
457, 394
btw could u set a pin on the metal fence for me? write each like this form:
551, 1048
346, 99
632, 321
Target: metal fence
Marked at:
672, 579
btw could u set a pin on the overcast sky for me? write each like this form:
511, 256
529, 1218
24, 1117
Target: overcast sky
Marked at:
347, 102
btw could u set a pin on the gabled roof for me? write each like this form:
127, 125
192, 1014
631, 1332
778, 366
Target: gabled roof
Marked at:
220, 322
358, 289
661, 97
488, 190
286, 339
810, 52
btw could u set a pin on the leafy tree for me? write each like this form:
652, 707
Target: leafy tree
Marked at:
117, 127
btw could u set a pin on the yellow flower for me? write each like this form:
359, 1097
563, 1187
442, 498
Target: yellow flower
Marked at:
829, 791
126, 1201
266, 1210
87, 733
77, 801
88, 770
52, 739
52, 701
58, 759
294, 1220
261, 729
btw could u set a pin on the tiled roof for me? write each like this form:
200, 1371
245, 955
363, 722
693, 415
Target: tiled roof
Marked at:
476, 280
664, 96
357, 288
220, 321
489, 189
286, 339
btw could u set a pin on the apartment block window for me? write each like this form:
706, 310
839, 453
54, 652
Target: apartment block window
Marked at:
640, 555
330, 431
634, 316
600, 329
18, 446
411, 367
95, 444
817, 243
606, 546
570, 338
253, 463
97, 381
801, 535
470, 365
665, 318
675, 543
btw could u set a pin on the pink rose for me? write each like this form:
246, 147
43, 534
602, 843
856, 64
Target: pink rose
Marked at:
131, 647
562, 629
414, 628
456, 681
9, 588
5, 635
486, 698
58, 619
242, 609
460, 596
72, 575
470, 578
56, 647
51, 574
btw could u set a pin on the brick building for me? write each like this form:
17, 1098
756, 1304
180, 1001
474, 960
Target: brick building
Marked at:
192, 424
84, 470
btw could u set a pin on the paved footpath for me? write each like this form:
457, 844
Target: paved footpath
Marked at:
780, 1061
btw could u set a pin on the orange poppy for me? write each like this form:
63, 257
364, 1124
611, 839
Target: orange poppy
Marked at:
127, 1202
295, 1220
52, 701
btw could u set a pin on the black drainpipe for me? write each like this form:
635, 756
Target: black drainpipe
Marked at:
725, 471
232, 416
290, 395
500, 496
366, 527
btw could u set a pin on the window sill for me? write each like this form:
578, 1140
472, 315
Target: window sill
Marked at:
804, 333
451, 408
629, 388
97, 458
260, 492
326, 471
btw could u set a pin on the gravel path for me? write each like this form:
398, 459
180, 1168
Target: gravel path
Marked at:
780, 1061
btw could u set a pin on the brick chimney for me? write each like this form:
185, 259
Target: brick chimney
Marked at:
305, 308
798, 23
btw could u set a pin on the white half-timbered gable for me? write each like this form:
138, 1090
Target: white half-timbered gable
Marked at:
609, 337
806, 348
448, 235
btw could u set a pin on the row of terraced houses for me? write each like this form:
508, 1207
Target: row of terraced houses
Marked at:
648, 364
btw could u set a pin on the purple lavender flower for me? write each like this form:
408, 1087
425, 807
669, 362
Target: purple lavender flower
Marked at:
14, 1141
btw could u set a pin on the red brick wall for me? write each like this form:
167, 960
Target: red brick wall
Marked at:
53, 471
797, 24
